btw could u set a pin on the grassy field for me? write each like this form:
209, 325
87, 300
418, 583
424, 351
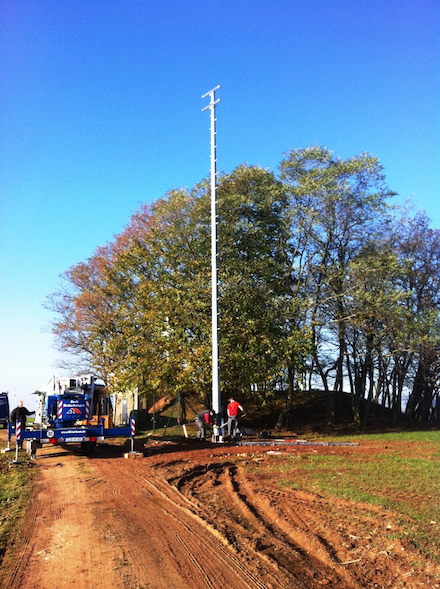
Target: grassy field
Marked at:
15, 492
398, 471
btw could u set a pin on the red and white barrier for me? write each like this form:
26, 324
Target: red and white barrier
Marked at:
133, 431
17, 438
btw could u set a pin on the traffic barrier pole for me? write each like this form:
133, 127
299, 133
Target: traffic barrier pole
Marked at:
17, 438
133, 431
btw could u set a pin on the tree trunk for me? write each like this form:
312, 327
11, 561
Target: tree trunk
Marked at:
285, 417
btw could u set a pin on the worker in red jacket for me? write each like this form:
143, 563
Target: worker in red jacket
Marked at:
232, 410
203, 419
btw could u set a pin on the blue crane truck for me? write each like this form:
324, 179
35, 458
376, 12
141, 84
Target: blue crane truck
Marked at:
79, 413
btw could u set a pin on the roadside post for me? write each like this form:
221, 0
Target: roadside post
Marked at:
17, 441
133, 431
132, 453
17, 438
8, 447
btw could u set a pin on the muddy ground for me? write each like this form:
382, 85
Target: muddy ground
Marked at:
194, 515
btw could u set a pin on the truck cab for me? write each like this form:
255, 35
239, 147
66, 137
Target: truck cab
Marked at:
4, 409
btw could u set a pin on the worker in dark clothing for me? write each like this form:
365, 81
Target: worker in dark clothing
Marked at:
203, 419
19, 414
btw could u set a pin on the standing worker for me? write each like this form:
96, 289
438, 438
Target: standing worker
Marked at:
19, 414
203, 419
232, 410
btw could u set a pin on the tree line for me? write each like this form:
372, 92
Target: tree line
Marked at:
323, 283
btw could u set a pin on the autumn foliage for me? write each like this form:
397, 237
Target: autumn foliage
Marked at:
322, 284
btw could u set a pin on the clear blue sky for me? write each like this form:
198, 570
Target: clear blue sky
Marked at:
101, 110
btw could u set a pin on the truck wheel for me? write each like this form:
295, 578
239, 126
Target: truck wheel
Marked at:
88, 447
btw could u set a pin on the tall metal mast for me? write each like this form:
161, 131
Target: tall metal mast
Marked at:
214, 273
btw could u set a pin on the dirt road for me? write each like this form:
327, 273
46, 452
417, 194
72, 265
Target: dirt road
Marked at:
193, 517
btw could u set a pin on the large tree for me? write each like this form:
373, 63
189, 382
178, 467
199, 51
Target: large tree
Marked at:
252, 280
339, 206
319, 285
419, 246
145, 299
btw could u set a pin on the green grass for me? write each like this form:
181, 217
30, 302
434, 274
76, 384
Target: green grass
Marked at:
403, 477
15, 492
426, 436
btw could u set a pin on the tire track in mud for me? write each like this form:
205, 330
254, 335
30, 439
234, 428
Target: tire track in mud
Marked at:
341, 544
295, 529
214, 543
277, 549
297, 555
58, 547
224, 549
189, 546
354, 541
195, 521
